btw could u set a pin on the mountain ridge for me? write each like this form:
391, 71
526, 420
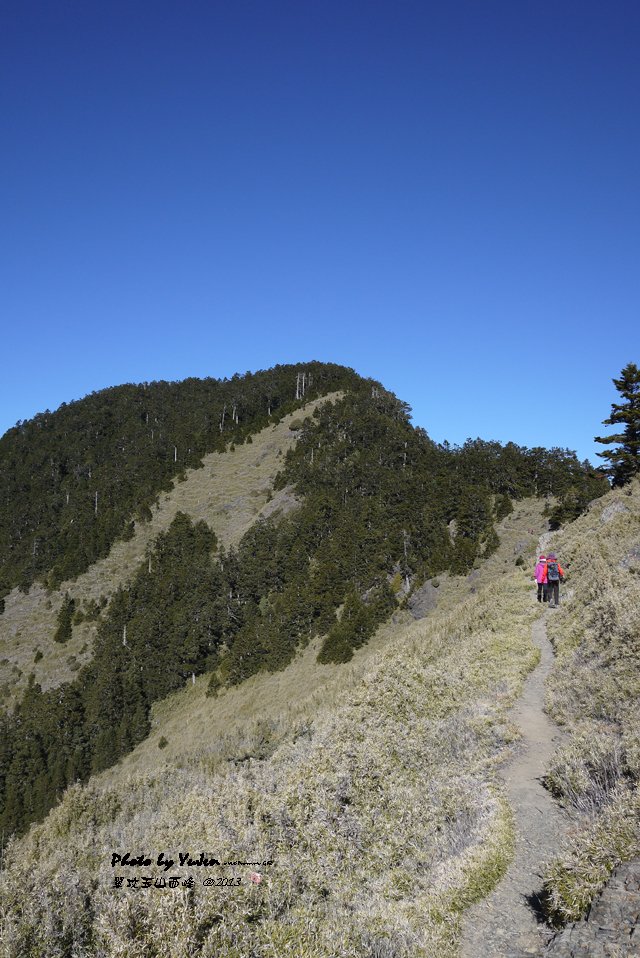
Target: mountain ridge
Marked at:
377, 499
374, 789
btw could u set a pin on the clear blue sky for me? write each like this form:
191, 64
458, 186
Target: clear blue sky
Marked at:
444, 196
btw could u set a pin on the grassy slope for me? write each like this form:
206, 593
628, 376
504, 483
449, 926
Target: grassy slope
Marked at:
272, 703
230, 492
595, 694
372, 791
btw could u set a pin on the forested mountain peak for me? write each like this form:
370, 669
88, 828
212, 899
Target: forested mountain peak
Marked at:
72, 481
230, 491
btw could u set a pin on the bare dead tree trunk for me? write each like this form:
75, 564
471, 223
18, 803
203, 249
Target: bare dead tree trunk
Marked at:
301, 385
95, 506
124, 635
405, 545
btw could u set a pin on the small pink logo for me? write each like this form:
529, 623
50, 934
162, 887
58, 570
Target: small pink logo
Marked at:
255, 877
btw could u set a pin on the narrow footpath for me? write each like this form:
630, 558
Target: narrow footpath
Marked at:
504, 925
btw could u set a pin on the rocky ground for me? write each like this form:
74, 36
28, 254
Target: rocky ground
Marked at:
612, 927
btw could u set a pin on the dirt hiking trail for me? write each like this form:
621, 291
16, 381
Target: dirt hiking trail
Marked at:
504, 925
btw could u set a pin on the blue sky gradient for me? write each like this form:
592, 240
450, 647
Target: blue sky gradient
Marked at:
443, 196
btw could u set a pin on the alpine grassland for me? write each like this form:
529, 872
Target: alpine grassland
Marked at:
379, 810
267, 620
594, 694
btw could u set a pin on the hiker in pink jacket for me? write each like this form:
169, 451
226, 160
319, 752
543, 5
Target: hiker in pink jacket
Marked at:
540, 576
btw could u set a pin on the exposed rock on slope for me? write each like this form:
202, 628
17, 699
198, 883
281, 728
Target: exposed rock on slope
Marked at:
612, 927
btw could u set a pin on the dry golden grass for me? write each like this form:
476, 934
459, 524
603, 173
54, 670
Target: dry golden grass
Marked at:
229, 492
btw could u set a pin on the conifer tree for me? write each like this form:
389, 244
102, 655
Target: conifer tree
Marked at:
65, 617
624, 460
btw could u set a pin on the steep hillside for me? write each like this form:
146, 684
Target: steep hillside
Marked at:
595, 694
253, 718
373, 796
230, 491
364, 815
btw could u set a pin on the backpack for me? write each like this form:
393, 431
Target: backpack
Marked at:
552, 572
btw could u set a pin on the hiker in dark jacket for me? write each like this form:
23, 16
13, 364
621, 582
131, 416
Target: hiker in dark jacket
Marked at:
554, 574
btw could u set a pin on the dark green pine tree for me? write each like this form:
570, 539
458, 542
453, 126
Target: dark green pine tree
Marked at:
65, 618
624, 460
